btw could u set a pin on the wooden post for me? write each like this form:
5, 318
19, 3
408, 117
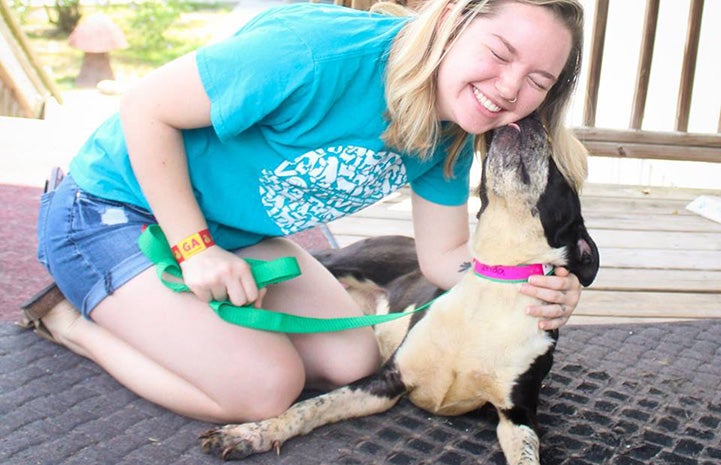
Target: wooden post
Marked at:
644, 64
594, 74
19, 36
688, 70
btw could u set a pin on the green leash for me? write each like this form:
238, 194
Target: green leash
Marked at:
154, 245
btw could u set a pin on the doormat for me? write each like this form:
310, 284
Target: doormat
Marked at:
624, 394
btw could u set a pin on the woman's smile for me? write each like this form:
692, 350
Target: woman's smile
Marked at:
501, 67
485, 101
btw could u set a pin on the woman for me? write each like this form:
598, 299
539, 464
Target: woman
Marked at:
308, 113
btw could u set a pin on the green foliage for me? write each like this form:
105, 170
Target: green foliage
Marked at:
152, 31
21, 8
157, 33
151, 20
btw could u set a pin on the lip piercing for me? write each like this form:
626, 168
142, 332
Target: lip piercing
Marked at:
514, 99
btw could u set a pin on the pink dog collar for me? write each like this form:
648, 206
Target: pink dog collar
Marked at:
510, 274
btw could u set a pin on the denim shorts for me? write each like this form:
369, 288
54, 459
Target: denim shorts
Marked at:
89, 244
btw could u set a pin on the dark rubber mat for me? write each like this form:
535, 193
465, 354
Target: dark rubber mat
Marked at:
616, 395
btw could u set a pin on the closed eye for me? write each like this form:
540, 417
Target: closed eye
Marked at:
498, 56
538, 84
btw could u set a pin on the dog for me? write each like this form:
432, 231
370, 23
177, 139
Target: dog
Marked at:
474, 344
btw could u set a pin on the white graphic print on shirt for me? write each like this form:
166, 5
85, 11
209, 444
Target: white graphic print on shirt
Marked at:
322, 185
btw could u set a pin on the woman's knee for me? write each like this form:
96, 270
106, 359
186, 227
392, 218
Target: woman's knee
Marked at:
349, 362
266, 393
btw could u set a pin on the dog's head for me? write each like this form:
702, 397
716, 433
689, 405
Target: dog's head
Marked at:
529, 211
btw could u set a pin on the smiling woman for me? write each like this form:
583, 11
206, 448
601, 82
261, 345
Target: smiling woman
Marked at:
511, 68
259, 148
412, 100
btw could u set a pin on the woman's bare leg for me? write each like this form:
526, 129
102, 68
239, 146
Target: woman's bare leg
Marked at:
173, 350
134, 369
330, 359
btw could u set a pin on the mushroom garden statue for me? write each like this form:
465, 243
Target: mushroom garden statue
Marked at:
97, 36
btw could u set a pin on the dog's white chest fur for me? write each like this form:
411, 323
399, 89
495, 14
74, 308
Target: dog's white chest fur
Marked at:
461, 356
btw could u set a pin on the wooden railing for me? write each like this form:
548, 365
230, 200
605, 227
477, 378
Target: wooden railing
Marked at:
635, 142
24, 85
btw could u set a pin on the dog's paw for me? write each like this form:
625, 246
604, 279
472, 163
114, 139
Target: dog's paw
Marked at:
233, 442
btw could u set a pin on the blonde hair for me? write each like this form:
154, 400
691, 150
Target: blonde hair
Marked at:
411, 85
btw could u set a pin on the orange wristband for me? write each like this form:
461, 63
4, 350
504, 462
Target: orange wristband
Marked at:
192, 245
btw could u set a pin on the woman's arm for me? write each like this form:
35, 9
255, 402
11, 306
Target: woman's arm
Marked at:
441, 234
169, 99
152, 113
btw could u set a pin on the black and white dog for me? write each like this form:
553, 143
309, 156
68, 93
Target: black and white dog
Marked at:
475, 343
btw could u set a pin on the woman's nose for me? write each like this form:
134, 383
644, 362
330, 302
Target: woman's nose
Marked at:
508, 85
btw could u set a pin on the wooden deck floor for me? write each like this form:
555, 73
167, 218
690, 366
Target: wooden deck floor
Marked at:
659, 262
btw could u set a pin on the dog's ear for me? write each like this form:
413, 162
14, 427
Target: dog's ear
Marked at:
582, 255
560, 210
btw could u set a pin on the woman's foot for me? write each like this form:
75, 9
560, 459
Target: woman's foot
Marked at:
52, 317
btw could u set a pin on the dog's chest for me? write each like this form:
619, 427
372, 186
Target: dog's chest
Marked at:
461, 356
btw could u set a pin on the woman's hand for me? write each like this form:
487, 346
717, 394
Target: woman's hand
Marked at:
561, 292
216, 274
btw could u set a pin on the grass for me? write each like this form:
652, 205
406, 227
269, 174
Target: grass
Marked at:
195, 25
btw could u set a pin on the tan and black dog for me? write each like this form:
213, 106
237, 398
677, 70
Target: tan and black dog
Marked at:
475, 343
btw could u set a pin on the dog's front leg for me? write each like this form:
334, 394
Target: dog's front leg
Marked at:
373, 394
518, 440
517, 427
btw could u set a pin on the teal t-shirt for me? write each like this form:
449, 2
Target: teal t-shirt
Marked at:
297, 111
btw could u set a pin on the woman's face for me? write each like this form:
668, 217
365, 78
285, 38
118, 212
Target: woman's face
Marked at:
501, 67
